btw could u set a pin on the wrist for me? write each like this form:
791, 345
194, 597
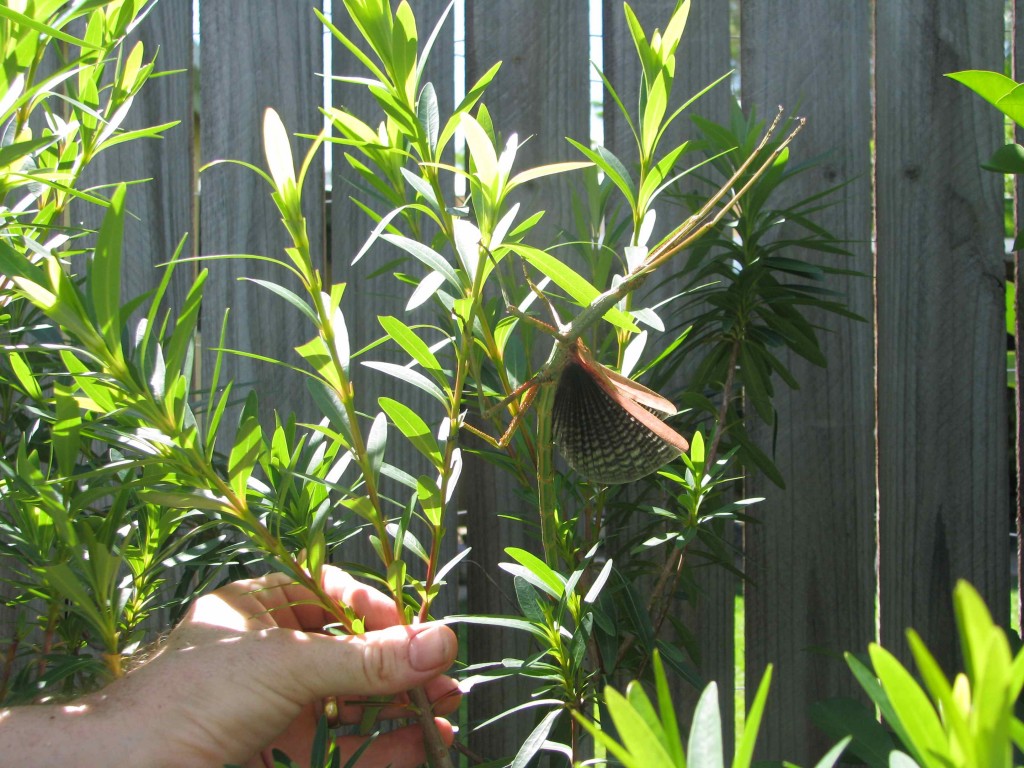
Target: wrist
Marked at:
84, 732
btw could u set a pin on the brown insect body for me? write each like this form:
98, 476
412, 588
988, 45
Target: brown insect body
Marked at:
608, 427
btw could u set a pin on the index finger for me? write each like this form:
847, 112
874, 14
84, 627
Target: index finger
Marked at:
375, 608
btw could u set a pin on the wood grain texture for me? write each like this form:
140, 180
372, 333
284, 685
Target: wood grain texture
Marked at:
810, 560
255, 56
160, 210
373, 291
941, 335
702, 57
540, 93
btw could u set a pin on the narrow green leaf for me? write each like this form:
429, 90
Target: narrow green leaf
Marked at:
915, 713
704, 747
939, 687
247, 447
331, 406
654, 112
105, 270
899, 759
524, 573
643, 744
530, 602
570, 281
38, 26
70, 587
376, 442
745, 748
413, 427
539, 568
545, 170
342, 348
429, 497
872, 742
290, 296
536, 739
613, 169
482, 151
430, 258
831, 757
278, 151
595, 589
414, 346
410, 376
427, 114
23, 373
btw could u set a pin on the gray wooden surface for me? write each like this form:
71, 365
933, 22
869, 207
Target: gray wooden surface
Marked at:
372, 289
810, 560
703, 56
541, 93
254, 56
941, 382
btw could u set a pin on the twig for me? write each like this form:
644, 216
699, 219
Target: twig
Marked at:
437, 752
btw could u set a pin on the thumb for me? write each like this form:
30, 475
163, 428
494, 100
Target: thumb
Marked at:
383, 662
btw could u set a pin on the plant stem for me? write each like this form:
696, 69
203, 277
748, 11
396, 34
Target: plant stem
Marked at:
672, 569
673, 566
437, 752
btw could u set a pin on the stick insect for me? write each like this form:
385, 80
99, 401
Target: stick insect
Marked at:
610, 428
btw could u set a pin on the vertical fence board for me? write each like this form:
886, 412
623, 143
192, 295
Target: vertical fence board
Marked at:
160, 210
253, 57
810, 560
941, 379
370, 295
702, 57
541, 92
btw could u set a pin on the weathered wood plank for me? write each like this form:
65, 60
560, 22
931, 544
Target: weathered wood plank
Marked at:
941, 338
254, 57
160, 209
371, 295
541, 92
811, 589
702, 57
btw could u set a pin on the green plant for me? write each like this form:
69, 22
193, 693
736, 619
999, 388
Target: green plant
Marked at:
760, 278
969, 721
146, 467
67, 539
640, 736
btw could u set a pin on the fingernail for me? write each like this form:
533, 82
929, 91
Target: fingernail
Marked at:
429, 648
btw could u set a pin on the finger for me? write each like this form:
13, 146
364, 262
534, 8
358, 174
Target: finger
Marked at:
375, 608
401, 748
378, 663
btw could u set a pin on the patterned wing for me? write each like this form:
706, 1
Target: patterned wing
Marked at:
598, 436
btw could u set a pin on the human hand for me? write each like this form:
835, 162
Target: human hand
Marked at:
247, 670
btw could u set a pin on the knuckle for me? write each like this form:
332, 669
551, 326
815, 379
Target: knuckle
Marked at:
378, 664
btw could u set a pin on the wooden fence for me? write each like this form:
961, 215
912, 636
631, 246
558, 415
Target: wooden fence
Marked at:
895, 456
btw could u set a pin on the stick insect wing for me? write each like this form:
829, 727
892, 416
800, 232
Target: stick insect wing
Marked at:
607, 426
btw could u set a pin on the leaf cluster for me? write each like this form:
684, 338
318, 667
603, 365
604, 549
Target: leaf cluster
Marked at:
969, 721
639, 735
